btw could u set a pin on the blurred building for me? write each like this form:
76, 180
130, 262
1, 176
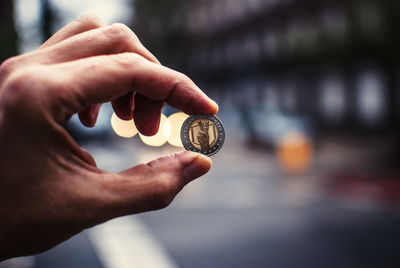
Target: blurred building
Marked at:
8, 35
335, 63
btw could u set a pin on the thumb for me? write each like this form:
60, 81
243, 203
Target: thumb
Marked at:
153, 185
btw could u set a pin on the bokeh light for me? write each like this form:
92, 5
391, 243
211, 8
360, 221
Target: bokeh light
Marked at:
161, 137
176, 121
122, 128
295, 152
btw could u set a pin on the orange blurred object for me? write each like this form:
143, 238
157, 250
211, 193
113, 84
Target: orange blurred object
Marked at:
295, 152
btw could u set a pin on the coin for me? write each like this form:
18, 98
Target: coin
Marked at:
203, 133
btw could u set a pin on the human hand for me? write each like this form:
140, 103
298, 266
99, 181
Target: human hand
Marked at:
50, 188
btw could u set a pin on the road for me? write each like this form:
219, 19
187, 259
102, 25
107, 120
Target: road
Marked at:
244, 213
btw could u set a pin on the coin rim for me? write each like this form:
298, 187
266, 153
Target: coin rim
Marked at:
202, 116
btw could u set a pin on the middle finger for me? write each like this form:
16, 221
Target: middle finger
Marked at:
106, 40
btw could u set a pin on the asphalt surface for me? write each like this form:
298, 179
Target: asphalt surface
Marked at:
246, 213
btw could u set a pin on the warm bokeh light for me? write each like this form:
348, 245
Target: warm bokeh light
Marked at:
176, 120
161, 137
295, 152
166, 128
122, 128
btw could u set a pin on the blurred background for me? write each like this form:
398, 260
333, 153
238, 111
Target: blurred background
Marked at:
309, 93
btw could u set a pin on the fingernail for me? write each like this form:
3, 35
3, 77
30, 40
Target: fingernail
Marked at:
198, 167
216, 104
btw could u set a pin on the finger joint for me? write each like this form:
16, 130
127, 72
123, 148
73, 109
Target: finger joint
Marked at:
121, 35
90, 20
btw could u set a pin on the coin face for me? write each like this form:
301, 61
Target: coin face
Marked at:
203, 133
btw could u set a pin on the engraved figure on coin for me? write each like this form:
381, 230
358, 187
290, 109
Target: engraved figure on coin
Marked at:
203, 136
202, 133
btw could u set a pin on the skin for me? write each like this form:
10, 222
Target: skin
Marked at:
50, 188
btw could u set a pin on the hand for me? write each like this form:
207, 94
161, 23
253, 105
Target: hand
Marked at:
50, 188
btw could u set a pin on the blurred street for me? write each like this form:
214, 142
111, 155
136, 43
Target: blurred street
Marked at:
244, 213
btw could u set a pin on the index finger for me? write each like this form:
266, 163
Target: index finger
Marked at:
105, 78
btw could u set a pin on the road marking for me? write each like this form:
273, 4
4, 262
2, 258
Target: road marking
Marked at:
126, 242
20, 262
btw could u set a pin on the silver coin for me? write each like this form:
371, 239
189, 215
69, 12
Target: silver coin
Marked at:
203, 133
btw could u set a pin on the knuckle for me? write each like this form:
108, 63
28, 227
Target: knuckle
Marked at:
90, 20
168, 186
166, 190
7, 66
20, 81
121, 27
121, 34
19, 88
119, 31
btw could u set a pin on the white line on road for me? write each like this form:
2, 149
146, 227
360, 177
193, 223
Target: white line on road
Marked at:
126, 243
